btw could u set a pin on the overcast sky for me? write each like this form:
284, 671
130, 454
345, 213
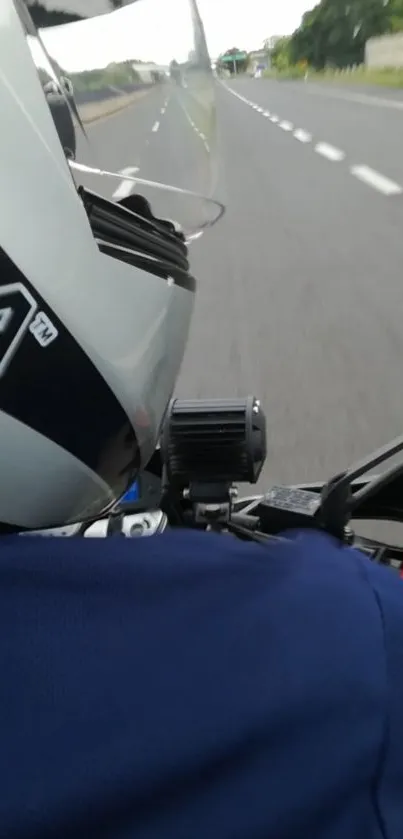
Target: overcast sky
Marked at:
246, 24
158, 30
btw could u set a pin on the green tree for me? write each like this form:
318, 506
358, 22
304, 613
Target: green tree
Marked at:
270, 43
280, 54
335, 31
395, 11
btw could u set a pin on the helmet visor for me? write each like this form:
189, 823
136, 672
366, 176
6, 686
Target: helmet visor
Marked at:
131, 86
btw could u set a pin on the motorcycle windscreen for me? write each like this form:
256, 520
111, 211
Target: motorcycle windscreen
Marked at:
130, 83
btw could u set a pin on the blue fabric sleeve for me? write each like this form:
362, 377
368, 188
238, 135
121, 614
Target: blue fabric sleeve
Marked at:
190, 686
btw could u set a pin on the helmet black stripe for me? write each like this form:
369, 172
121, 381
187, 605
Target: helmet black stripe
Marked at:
49, 383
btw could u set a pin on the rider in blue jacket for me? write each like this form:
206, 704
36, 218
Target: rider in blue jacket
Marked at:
193, 685
187, 685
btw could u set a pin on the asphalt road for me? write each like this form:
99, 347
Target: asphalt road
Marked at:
157, 139
300, 296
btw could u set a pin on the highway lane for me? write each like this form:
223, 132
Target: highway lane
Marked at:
356, 122
118, 141
157, 138
179, 154
300, 292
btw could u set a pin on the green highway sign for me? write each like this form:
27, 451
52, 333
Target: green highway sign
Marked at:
237, 56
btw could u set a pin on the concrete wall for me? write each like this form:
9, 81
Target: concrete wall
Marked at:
386, 51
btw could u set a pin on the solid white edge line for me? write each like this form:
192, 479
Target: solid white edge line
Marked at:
197, 131
376, 180
330, 152
155, 126
302, 136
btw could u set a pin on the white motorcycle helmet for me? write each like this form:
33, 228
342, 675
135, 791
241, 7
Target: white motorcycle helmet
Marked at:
96, 294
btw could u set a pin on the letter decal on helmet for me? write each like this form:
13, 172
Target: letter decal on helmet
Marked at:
17, 307
43, 329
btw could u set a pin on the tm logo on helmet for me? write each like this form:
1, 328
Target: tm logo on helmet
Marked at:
18, 316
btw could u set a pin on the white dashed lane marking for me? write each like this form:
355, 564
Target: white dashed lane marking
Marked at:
155, 127
363, 173
303, 136
197, 131
376, 180
330, 152
125, 187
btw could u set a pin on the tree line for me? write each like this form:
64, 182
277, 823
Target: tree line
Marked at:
335, 32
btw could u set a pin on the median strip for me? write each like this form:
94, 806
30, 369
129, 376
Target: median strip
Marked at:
95, 111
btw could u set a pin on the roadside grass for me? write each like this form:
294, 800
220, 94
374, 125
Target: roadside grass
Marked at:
286, 73
382, 76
